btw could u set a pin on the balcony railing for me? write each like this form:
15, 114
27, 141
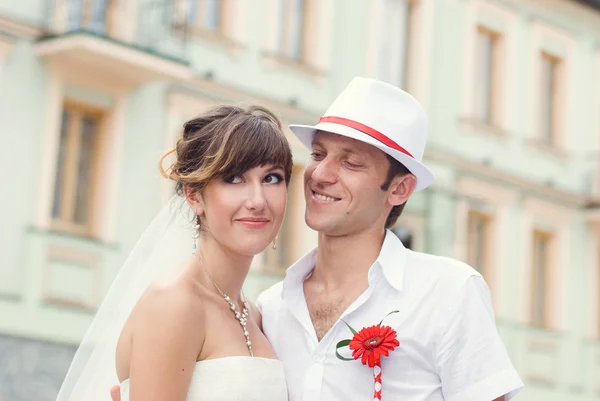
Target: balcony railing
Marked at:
133, 42
147, 25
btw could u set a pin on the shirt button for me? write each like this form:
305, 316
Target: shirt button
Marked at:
318, 359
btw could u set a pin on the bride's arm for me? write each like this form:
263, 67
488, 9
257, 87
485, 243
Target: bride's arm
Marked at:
167, 338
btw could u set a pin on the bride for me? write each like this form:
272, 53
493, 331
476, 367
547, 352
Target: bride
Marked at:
175, 319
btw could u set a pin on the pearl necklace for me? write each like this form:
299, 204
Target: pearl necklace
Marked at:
242, 318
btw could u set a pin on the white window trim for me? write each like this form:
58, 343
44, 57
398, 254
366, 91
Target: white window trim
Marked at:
558, 43
319, 38
111, 157
495, 202
400, 63
123, 18
547, 217
419, 50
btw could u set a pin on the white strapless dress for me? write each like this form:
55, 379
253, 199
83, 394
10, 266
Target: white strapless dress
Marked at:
236, 378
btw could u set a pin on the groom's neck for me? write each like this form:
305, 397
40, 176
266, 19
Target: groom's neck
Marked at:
345, 260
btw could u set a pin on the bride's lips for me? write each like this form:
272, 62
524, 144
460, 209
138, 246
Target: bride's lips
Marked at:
254, 222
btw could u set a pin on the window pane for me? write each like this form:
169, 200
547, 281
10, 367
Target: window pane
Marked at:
61, 164
296, 29
281, 24
540, 259
478, 241
484, 86
384, 56
547, 101
99, 15
84, 172
75, 14
393, 42
212, 14
185, 10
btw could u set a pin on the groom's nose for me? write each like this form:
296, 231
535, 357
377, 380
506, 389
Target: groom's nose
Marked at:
325, 171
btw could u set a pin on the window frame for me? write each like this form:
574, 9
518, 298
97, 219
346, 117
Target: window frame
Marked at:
493, 116
68, 201
548, 237
487, 242
283, 45
550, 117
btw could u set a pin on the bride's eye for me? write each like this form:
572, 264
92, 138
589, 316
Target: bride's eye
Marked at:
273, 179
233, 179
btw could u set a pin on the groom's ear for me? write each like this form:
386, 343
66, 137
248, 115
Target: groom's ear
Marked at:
194, 199
401, 189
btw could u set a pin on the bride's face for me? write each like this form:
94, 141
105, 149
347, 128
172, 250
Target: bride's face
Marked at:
244, 213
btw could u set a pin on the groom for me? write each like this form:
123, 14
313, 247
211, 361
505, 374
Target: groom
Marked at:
365, 164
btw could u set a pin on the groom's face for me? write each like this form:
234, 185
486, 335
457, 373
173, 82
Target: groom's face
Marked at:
342, 186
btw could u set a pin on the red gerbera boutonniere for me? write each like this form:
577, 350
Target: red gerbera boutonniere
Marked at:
369, 344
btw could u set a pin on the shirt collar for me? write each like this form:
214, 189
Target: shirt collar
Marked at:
391, 261
299, 271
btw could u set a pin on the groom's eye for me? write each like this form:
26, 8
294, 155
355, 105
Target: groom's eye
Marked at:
352, 165
316, 155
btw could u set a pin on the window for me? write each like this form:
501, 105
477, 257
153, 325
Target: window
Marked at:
478, 240
75, 173
550, 109
92, 15
292, 32
206, 14
487, 68
542, 242
394, 39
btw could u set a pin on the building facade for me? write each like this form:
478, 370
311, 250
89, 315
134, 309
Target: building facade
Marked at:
93, 92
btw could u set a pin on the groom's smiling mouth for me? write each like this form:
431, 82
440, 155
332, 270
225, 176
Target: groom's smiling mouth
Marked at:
324, 197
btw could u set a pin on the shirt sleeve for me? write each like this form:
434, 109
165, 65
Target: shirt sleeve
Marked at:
472, 361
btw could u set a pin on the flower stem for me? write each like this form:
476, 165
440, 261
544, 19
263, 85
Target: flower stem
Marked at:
378, 382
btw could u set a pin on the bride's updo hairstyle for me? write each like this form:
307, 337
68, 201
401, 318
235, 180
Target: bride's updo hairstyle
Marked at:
224, 142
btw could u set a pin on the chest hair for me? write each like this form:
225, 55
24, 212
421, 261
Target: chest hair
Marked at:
324, 314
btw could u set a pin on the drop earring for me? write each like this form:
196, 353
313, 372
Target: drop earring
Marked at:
195, 234
274, 243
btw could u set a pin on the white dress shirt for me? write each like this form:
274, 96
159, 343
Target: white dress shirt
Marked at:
449, 346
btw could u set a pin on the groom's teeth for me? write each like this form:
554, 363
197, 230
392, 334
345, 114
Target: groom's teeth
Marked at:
324, 198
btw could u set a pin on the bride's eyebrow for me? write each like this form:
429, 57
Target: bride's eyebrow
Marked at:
274, 168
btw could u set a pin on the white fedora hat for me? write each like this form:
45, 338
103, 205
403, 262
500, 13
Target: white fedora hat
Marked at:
381, 115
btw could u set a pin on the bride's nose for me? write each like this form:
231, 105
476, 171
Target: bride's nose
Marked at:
255, 197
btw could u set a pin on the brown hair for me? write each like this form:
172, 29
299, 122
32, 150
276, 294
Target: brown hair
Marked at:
396, 168
226, 141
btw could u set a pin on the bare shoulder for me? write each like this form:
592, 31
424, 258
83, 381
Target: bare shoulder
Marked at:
173, 301
166, 314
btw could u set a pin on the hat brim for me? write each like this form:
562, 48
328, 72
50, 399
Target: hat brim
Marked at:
306, 134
